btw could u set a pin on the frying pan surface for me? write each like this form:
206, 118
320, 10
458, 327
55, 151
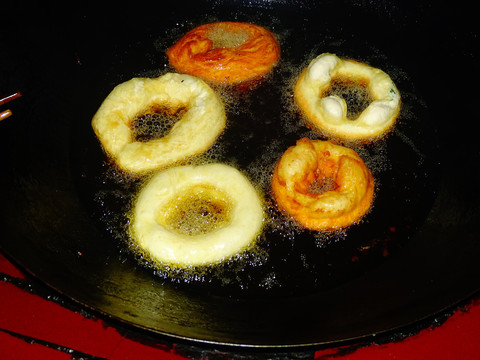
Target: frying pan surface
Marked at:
63, 204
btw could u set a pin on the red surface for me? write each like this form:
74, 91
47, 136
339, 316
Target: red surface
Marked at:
33, 327
458, 338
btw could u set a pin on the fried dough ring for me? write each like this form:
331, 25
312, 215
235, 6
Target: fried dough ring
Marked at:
329, 113
225, 52
153, 229
349, 192
199, 127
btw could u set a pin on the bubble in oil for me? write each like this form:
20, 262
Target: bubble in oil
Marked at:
197, 211
230, 272
156, 122
223, 37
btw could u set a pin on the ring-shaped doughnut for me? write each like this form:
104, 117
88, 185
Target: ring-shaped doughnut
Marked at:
171, 196
225, 52
323, 186
202, 122
329, 113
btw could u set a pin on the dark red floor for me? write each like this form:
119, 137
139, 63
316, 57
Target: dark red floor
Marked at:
37, 324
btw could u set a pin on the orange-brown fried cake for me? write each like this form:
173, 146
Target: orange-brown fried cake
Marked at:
323, 186
225, 52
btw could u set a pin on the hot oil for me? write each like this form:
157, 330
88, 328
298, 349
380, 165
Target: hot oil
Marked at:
198, 211
156, 121
355, 93
262, 122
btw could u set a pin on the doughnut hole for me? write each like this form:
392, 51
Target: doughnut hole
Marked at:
322, 184
156, 121
223, 36
354, 91
199, 210
323, 179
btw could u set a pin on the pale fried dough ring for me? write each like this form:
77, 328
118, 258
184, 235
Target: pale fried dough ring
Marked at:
329, 113
194, 133
347, 198
166, 244
244, 52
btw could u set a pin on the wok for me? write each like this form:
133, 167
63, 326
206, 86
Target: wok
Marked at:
63, 204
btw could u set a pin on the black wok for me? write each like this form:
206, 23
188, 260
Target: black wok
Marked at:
63, 204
